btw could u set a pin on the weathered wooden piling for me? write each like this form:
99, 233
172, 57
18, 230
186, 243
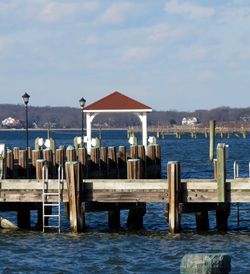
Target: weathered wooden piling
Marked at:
16, 161
112, 163
122, 162
211, 139
174, 186
103, 162
22, 162
36, 154
48, 156
83, 160
75, 185
223, 209
134, 152
9, 163
70, 154
142, 157
135, 215
94, 163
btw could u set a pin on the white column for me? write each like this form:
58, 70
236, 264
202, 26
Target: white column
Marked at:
88, 125
143, 118
144, 129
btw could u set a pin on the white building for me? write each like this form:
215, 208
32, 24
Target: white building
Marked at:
191, 121
10, 122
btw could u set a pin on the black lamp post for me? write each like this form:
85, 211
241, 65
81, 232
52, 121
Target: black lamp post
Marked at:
26, 101
82, 102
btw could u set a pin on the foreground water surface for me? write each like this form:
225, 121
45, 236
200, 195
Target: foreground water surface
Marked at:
151, 250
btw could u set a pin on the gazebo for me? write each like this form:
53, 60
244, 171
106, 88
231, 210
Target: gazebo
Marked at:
116, 102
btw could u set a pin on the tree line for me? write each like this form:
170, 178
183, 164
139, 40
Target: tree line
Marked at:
68, 117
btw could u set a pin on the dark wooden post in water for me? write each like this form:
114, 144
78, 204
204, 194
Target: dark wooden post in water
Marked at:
94, 164
16, 162
9, 164
23, 163
122, 162
83, 160
74, 183
142, 157
211, 137
135, 216
174, 188
223, 209
112, 163
103, 162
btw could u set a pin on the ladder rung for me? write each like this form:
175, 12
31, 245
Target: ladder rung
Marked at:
51, 193
51, 204
56, 226
52, 215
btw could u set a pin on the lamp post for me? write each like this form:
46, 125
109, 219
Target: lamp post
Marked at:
26, 101
82, 102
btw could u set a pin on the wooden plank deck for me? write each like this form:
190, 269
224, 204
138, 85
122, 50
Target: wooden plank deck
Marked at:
128, 191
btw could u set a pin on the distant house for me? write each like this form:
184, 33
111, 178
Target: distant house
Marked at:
11, 122
191, 121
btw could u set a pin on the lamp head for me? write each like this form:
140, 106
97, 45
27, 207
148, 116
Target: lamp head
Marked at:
82, 102
26, 98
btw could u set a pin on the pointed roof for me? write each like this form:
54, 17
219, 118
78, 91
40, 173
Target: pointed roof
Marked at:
117, 102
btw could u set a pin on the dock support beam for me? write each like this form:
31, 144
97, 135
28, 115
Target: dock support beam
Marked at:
223, 209
74, 183
174, 187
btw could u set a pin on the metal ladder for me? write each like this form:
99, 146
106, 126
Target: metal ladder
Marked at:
52, 205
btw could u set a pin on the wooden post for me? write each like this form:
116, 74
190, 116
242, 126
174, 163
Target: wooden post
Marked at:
134, 152
215, 169
83, 160
16, 162
70, 154
122, 162
36, 154
48, 156
157, 161
22, 163
221, 172
151, 162
103, 162
10, 164
135, 216
75, 191
94, 165
211, 137
202, 220
112, 163
223, 209
174, 190
142, 157
39, 168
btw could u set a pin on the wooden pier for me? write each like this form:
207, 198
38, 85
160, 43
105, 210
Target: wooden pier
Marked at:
124, 181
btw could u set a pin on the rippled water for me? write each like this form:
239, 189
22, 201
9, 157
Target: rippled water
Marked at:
151, 250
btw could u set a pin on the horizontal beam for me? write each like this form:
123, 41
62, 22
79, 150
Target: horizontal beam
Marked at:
127, 191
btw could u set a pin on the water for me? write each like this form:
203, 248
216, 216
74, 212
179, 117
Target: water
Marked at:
152, 250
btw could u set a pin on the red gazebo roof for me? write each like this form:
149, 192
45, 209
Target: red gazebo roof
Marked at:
116, 101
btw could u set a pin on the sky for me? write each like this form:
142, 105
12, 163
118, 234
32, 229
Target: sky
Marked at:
167, 54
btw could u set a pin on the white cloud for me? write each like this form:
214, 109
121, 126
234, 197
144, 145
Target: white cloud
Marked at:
189, 10
135, 54
55, 11
161, 32
9, 5
117, 13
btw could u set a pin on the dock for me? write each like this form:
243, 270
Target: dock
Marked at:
110, 180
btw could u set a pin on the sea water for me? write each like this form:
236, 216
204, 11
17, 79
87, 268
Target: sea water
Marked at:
151, 250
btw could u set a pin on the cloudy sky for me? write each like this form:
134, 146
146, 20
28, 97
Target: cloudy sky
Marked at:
168, 54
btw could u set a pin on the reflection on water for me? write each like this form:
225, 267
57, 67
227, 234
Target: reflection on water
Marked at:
152, 250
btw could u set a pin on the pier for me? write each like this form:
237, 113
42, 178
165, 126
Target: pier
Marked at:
110, 180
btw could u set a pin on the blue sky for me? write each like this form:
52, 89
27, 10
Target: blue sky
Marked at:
168, 54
